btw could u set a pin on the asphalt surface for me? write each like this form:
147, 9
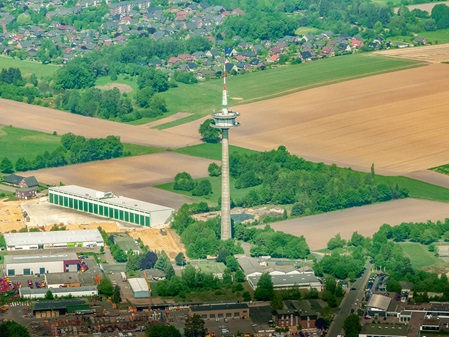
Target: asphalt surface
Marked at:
350, 301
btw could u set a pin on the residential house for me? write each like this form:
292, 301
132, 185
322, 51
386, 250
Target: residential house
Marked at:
22, 182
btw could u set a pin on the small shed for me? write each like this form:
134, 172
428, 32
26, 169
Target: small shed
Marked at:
139, 287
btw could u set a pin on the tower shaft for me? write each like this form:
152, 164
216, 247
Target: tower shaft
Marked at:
225, 189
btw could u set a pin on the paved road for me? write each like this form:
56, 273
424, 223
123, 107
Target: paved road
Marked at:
351, 297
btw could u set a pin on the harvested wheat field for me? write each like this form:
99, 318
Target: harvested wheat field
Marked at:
432, 54
366, 220
130, 176
397, 121
48, 120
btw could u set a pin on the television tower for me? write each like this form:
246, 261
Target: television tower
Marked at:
224, 120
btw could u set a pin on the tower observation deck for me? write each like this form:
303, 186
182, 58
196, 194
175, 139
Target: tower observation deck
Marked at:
225, 120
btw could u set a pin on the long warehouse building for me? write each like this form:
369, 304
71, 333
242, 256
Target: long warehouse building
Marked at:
110, 205
41, 264
53, 239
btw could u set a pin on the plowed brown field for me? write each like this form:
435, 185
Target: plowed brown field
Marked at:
398, 121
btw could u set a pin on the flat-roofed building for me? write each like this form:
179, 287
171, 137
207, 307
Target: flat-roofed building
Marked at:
222, 310
62, 280
34, 293
109, 205
53, 239
41, 264
288, 280
378, 305
384, 330
139, 287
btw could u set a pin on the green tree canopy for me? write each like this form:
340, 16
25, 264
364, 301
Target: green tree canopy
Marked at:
352, 326
6, 166
264, 290
162, 331
13, 329
208, 133
195, 326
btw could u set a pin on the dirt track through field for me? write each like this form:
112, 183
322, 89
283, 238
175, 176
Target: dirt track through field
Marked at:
319, 229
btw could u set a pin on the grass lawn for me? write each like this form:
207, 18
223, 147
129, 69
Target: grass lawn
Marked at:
106, 80
211, 151
28, 67
419, 255
16, 143
216, 190
436, 37
307, 30
417, 189
208, 266
203, 98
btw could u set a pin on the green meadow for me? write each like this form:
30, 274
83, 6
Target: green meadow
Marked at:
121, 79
28, 67
16, 143
419, 255
203, 98
211, 151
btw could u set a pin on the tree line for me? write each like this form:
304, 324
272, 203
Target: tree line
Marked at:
73, 150
283, 178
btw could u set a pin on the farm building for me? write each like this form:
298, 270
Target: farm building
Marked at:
40, 264
222, 310
26, 292
53, 239
110, 205
20, 181
139, 287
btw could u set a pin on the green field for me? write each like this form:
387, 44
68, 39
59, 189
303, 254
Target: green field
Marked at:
16, 143
106, 80
417, 189
208, 266
443, 169
205, 97
28, 67
211, 151
139, 150
419, 255
216, 190
436, 37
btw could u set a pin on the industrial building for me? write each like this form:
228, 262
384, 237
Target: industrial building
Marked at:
139, 287
222, 310
85, 291
53, 239
61, 306
378, 305
109, 205
41, 264
293, 279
